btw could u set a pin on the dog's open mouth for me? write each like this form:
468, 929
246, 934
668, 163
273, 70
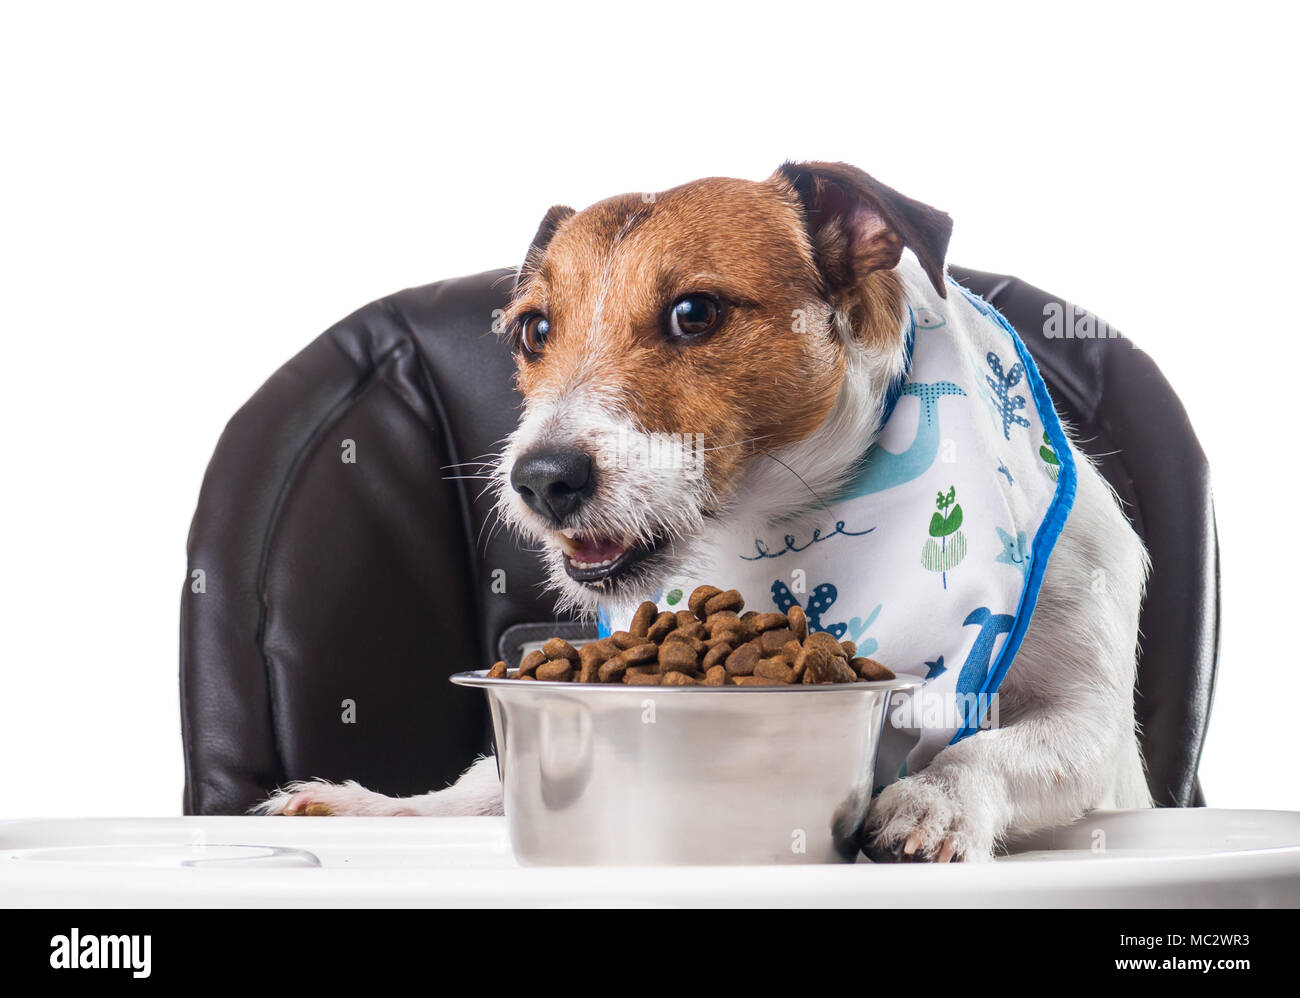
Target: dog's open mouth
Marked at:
590, 557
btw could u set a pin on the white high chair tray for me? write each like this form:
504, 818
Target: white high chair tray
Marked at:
1179, 858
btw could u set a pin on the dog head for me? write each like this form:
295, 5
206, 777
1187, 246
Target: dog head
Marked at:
689, 358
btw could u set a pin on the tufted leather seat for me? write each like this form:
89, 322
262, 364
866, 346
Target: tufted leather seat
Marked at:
372, 579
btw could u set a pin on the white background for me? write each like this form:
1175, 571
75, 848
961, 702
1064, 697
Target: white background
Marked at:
192, 192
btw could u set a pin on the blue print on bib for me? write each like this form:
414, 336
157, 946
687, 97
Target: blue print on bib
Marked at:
819, 601
883, 469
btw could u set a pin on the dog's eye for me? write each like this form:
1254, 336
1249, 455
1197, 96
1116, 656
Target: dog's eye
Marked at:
693, 315
533, 330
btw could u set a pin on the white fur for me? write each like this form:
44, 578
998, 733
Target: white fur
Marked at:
478, 791
633, 498
1067, 740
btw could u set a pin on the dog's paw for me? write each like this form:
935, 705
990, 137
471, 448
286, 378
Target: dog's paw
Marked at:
318, 798
916, 820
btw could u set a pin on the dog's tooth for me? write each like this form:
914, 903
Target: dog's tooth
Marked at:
586, 566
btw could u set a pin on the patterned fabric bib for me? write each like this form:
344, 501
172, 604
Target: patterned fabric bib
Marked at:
931, 558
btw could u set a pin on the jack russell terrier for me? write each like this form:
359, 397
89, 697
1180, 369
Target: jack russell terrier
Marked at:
716, 382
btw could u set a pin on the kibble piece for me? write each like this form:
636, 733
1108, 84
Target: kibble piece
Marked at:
869, 668
849, 648
590, 672
730, 600
678, 656
701, 596
612, 670
558, 671
827, 642
730, 630
727, 620
790, 651
685, 618
816, 664
775, 668
559, 648
594, 652
798, 623
773, 641
741, 662
641, 654
695, 644
733, 638
642, 678
663, 625
624, 640
531, 679
716, 676
756, 681
643, 618
767, 621
530, 663
694, 629
841, 670
679, 679
715, 656
498, 671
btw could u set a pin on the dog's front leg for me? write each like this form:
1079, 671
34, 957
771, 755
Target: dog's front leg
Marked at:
1030, 774
1068, 740
478, 791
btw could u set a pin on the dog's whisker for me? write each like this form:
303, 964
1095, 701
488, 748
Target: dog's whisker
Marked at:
479, 543
738, 443
482, 469
820, 501
473, 463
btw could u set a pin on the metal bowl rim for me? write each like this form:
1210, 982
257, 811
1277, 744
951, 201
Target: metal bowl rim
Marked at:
478, 677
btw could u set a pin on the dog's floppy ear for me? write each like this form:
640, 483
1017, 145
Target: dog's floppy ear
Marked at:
858, 225
551, 222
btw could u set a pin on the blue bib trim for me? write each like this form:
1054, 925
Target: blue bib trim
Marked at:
1045, 540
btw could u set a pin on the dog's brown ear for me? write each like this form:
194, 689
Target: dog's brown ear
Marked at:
551, 222
858, 225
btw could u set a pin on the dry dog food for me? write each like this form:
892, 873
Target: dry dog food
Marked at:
714, 643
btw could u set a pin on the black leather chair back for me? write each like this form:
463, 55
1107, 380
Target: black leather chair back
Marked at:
348, 565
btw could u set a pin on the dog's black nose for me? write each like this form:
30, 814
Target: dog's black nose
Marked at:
554, 482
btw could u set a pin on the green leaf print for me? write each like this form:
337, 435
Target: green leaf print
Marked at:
943, 526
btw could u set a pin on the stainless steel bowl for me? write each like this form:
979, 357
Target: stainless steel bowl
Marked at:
612, 775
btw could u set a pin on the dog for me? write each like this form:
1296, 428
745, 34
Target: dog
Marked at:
669, 315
